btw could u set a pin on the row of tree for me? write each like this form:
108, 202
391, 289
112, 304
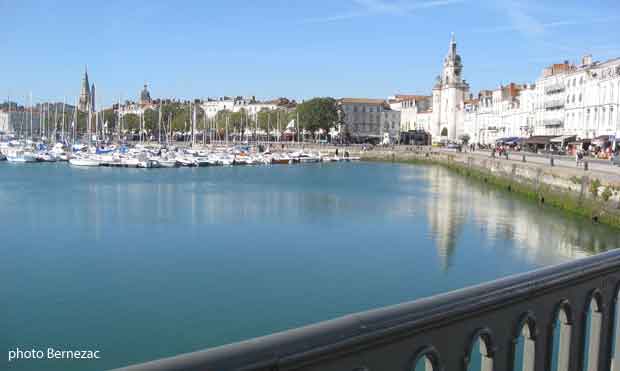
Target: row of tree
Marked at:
313, 114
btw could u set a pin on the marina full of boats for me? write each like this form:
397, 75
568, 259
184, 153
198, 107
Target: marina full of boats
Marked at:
157, 156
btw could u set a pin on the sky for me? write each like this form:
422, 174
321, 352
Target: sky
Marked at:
293, 48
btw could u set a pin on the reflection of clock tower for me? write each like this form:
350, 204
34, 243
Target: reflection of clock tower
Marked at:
448, 96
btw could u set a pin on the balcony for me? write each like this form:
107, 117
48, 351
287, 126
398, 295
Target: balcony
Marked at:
554, 104
556, 318
555, 123
554, 89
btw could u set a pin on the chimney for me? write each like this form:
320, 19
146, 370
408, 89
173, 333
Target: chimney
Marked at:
586, 60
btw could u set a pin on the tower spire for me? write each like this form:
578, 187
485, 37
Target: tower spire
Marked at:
85, 97
452, 48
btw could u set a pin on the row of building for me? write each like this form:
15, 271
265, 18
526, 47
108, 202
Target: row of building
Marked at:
571, 100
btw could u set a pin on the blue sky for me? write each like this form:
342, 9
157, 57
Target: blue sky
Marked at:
294, 48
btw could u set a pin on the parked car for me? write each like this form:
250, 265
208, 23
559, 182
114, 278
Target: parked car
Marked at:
615, 159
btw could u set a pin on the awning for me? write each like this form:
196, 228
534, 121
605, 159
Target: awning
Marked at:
539, 140
508, 140
564, 138
600, 140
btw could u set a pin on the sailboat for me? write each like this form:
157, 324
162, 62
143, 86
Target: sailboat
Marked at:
19, 155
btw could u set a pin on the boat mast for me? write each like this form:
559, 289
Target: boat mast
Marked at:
74, 122
64, 100
8, 120
159, 123
31, 133
193, 126
227, 119
55, 120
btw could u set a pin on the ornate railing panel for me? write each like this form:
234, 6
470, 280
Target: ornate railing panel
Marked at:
555, 318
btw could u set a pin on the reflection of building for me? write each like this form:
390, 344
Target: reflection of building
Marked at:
543, 238
370, 119
446, 212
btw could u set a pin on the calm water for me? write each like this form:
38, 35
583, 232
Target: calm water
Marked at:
145, 264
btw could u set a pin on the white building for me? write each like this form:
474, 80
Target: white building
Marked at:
567, 100
505, 112
449, 94
213, 106
370, 119
416, 112
19, 122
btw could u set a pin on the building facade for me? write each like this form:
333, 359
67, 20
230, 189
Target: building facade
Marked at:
416, 112
449, 95
580, 100
370, 120
235, 104
19, 122
567, 100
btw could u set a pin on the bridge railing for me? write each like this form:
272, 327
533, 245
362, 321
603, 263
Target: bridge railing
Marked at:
557, 318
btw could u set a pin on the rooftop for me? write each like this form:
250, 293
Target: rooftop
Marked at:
377, 102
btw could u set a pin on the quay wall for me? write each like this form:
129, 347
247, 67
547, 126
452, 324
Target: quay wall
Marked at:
587, 193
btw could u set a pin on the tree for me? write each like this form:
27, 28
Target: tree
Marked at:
464, 138
131, 121
317, 113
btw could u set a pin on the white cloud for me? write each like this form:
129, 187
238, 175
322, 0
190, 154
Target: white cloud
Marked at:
523, 22
367, 8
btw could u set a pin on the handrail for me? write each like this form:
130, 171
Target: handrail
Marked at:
356, 338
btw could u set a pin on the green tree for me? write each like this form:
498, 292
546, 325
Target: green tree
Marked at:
151, 118
317, 113
131, 121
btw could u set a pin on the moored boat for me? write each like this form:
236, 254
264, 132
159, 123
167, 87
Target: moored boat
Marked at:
84, 161
21, 156
169, 163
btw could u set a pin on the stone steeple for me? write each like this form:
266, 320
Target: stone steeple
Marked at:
145, 95
92, 98
85, 95
448, 97
452, 65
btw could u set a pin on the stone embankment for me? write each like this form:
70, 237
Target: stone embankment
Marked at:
592, 194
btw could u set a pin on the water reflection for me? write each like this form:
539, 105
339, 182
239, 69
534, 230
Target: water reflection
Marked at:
308, 242
540, 234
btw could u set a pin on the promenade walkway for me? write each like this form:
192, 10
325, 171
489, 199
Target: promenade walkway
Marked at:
596, 168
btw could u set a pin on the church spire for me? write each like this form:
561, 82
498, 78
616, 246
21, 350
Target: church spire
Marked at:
452, 48
85, 94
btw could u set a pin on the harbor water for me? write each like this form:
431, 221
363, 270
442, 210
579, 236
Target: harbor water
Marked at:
142, 264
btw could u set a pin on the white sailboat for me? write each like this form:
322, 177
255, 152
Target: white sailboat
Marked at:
20, 156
